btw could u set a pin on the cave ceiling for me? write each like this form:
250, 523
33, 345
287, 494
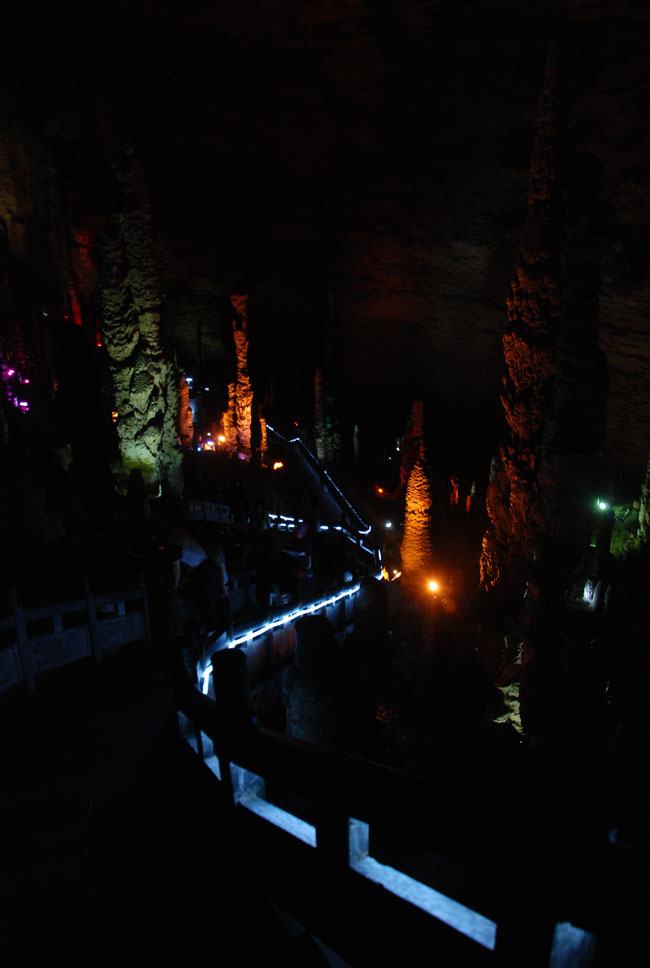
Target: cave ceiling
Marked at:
360, 169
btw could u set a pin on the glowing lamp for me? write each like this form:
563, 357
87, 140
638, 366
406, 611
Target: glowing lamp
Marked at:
114, 415
389, 524
384, 574
434, 586
603, 505
221, 439
380, 490
10, 372
278, 465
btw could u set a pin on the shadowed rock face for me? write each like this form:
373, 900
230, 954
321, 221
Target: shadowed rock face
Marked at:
359, 168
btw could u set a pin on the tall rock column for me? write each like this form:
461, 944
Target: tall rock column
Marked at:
244, 390
534, 308
145, 384
416, 549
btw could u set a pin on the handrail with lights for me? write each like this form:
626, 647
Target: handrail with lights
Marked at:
366, 528
284, 619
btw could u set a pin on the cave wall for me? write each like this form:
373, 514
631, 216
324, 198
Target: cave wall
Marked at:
359, 168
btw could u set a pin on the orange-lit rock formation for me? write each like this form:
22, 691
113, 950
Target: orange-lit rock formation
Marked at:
244, 390
185, 417
533, 311
416, 549
229, 420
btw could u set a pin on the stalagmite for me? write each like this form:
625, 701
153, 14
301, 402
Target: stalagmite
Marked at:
264, 444
533, 312
185, 417
244, 390
145, 384
416, 549
228, 421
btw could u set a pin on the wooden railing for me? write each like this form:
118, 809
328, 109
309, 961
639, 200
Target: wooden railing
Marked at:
36, 640
389, 868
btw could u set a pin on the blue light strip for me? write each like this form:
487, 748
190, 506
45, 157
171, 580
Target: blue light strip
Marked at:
281, 520
276, 623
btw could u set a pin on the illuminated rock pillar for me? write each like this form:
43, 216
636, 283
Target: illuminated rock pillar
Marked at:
243, 390
228, 421
145, 383
264, 441
185, 418
533, 311
416, 549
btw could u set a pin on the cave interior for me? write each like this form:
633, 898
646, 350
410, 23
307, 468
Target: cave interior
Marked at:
410, 238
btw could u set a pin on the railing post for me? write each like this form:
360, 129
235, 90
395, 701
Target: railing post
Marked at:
23, 644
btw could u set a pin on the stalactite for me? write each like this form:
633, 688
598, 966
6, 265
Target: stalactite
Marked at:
244, 390
416, 548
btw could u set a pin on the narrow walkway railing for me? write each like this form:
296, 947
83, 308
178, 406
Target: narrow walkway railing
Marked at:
381, 864
36, 640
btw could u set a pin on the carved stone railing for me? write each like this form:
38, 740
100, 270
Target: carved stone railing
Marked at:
37, 640
389, 868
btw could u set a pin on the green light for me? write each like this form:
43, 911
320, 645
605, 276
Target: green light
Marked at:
603, 505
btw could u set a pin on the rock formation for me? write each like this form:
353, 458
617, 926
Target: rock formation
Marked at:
185, 418
416, 549
534, 308
412, 447
145, 385
243, 388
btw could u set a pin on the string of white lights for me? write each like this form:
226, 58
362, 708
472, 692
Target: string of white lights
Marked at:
297, 440
284, 619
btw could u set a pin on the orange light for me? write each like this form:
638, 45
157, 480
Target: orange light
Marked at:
221, 439
277, 465
114, 415
380, 490
434, 586
384, 574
